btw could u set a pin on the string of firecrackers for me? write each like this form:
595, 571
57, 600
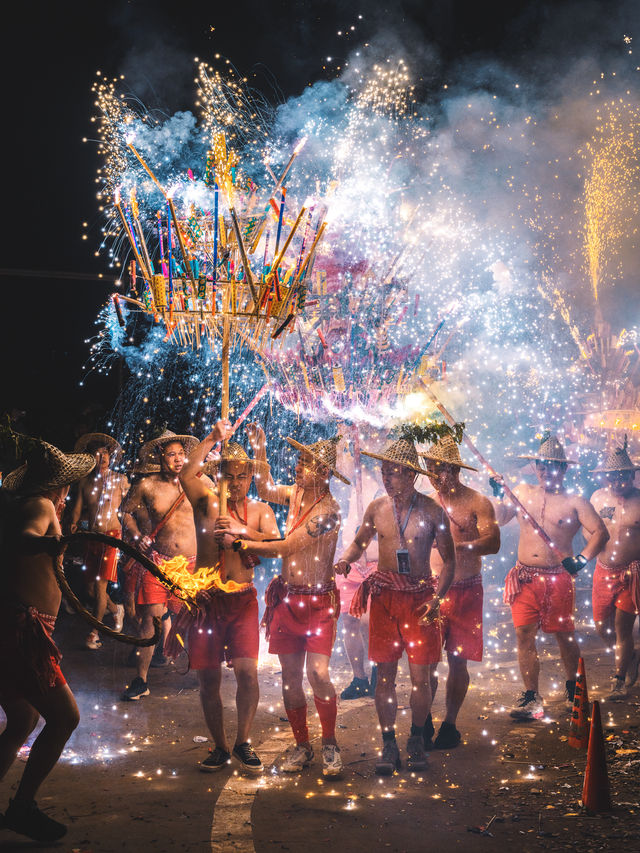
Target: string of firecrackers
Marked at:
429, 431
212, 259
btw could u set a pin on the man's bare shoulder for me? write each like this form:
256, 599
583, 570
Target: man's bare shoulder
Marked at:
377, 505
428, 505
600, 497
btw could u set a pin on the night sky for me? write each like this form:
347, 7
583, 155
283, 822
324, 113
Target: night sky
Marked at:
50, 57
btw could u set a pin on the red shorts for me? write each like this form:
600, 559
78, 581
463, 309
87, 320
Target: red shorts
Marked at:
231, 630
304, 623
133, 579
151, 591
101, 561
347, 586
29, 659
611, 590
547, 601
461, 618
394, 628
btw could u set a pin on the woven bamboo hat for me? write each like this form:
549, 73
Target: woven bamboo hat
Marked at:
617, 460
402, 452
231, 452
324, 451
146, 463
47, 468
550, 451
189, 442
447, 452
115, 451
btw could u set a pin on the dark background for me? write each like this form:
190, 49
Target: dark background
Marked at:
50, 55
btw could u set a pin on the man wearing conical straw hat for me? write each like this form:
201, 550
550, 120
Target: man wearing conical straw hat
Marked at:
98, 502
303, 605
229, 628
404, 610
31, 682
540, 588
159, 498
475, 533
616, 578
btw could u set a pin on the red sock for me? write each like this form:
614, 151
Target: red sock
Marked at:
327, 711
298, 719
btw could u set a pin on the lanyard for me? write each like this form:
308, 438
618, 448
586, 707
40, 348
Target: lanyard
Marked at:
402, 527
298, 521
237, 514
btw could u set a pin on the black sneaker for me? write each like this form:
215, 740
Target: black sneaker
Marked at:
216, 760
359, 687
159, 660
26, 818
136, 690
448, 737
429, 732
389, 760
248, 757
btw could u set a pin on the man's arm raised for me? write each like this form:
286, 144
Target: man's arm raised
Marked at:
267, 490
193, 486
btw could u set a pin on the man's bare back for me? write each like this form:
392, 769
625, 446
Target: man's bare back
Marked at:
621, 517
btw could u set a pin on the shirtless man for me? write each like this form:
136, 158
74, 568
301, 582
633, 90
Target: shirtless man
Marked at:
98, 502
539, 588
31, 682
616, 579
475, 533
230, 630
302, 603
404, 609
159, 495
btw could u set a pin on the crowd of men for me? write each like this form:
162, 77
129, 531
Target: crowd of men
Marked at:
422, 593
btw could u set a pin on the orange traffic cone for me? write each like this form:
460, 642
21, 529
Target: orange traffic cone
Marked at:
596, 794
580, 720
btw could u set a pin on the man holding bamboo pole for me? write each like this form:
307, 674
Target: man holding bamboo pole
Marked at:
228, 626
539, 588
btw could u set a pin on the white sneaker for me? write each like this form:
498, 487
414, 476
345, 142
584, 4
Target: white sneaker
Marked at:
93, 641
296, 758
118, 618
528, 707
331, 760
618, 692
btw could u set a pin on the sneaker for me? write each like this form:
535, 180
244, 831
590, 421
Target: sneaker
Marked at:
217, 759
26, 818
248, 757
118, 618
528, 707
296, 758
416, 756
136, 690
331, 760
359, 687
389, 760
619, 690
429, 732
632, 669
93, 641
448, 737
159, 658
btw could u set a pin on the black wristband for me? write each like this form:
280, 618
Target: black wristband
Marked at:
237, 544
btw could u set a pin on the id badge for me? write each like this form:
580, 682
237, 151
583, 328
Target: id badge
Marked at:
402, 560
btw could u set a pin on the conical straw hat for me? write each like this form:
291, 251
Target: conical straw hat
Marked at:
146, 463
323, 451
402, 452
115, 451
617, 460
550, 451
47, 468
446, 451
231, 452
189, 442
